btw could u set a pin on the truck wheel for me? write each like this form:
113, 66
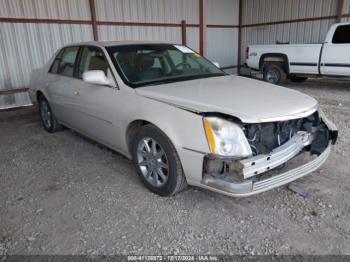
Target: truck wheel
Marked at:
274, 74
157, 162
297, 79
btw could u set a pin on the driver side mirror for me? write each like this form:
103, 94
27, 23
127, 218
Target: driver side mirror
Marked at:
216, 64
97, 77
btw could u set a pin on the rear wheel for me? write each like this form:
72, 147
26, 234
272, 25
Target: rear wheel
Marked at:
274, 74
297, 79
157, 162
48, 119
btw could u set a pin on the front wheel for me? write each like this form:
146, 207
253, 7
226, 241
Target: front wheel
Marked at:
157, 162
274, 74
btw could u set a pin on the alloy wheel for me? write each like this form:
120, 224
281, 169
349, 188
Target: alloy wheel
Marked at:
152, 161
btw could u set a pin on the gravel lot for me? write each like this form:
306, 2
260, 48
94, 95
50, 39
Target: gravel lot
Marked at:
63, 194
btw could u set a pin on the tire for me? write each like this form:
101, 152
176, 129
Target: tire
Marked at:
48, 119
298, 79
151, 167
274, 74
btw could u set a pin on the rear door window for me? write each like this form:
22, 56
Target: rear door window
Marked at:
65, 61
342, 35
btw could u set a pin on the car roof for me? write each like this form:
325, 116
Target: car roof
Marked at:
116, 43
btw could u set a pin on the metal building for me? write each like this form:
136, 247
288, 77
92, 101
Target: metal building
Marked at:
290, 21
31, 30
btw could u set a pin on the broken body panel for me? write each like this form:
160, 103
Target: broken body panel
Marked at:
267, 170
286, 123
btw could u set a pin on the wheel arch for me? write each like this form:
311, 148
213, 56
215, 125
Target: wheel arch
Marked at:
184, 129
280, 56
39, 94
179, 133
132, 129
134, 126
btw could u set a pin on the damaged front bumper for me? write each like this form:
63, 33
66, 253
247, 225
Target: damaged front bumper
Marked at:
245, 177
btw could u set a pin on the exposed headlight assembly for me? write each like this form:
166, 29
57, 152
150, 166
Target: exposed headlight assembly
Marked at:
226, 138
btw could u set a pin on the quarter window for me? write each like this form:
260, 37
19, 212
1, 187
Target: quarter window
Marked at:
65, 61
342, 35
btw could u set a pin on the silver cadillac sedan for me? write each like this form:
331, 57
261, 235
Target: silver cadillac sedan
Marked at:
182, 120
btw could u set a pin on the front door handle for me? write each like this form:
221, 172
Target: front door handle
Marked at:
76, 93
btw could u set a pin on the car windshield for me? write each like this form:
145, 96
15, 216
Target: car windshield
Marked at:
151, 64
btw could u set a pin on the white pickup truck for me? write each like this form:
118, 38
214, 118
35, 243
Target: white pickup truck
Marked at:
300, 61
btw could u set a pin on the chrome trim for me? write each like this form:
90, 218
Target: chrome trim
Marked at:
263, 163
249, 187
291, 175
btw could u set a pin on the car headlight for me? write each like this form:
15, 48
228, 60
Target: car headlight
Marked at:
226, 138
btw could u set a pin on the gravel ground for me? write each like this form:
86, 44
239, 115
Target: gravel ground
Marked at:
63, 194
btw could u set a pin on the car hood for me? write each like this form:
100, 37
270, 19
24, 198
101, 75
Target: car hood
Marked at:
249, 100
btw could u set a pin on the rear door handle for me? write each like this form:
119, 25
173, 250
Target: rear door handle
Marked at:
76, 93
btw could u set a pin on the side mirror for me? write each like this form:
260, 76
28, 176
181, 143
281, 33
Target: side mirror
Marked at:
97, 77
216, 64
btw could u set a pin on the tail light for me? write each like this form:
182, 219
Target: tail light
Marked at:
247, 53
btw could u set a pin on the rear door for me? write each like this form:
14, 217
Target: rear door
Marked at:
60, 84
335, 58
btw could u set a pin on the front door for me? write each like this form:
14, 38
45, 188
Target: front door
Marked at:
97, 105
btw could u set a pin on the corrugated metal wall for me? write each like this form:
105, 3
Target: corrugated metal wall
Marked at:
25, 46
261, 11
150, 11
28, 46
346, 10
54, 9
157, 11
223, 42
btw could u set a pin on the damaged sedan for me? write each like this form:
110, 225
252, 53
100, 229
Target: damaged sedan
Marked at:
181, 119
